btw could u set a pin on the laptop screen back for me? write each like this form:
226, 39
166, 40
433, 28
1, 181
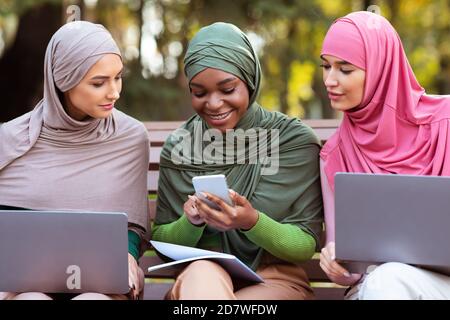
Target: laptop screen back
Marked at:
70, 252
392, 218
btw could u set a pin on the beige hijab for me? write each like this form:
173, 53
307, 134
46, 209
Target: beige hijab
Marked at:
50, 161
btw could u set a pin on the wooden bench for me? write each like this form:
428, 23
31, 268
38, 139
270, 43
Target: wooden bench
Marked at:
159, 282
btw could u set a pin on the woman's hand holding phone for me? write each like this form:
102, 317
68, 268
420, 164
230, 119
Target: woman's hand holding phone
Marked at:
240, 216
191, 211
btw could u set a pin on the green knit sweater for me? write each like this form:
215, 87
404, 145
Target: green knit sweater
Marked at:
285, 241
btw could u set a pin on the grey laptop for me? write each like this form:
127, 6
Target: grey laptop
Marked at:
392, 218
63, 252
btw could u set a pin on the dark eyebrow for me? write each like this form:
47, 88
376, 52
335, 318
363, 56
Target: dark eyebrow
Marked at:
341, 62
226, 81
193, 84
101, 77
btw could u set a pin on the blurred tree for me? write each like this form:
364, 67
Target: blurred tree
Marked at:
22, 64
442, 24
153, 36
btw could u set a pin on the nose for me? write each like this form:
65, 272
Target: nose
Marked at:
114, 92
214, 102
330, 79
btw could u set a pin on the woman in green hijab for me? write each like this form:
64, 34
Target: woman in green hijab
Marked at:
276, 219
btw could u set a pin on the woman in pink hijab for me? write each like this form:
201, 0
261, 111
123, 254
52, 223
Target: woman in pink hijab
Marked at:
389, 126
74, 150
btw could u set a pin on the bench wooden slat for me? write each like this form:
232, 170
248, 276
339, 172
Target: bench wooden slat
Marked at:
157, 138
159, 131
152, 181
152, 208
329, 293
322, 123
155, 152
156, 291
324, 134
162, 125
314, 271
172, 125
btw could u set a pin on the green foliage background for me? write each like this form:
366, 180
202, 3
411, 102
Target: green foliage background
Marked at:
291, 32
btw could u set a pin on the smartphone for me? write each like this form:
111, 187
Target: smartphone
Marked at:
214, 184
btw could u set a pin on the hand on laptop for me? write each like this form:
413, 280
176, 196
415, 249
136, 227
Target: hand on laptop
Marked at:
135, 277
334, 270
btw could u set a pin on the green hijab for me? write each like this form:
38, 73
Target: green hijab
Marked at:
291, 195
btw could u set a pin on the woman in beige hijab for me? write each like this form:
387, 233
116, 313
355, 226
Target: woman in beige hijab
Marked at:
75, 151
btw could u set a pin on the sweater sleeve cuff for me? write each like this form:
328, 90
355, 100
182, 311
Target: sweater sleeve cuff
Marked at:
180, 231
133, 244
184, 224
263, 224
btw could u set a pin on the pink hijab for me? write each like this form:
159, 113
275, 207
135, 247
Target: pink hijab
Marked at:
397, 128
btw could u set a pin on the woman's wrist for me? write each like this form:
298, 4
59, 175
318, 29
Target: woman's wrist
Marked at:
252, 221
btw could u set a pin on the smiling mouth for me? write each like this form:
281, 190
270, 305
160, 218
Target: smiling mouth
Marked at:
220, 116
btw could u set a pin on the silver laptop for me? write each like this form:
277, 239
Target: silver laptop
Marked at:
63, 252
392, 218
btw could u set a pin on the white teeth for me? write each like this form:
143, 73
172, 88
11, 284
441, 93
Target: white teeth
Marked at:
220, 117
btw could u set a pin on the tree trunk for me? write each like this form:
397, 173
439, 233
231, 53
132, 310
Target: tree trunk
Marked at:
394, 6
443, 77
286, 68
367, 4
21, 67
140, 23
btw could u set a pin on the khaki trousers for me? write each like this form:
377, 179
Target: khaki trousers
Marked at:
207, 280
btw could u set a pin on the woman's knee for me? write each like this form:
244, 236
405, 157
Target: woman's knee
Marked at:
92, 296
202, 268
202, 279
7, 295
391, 271
388, 281
32, 296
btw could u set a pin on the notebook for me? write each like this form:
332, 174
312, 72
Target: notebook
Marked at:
183, 254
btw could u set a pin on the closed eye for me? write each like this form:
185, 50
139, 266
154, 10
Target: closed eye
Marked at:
229, 91
199, 94
346, 71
